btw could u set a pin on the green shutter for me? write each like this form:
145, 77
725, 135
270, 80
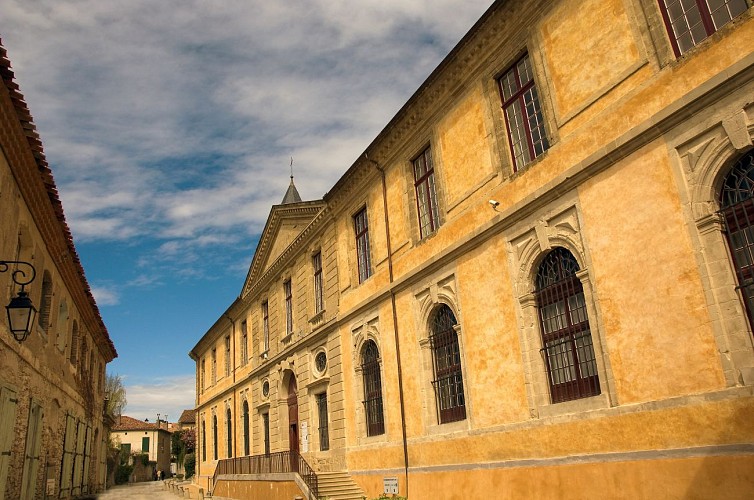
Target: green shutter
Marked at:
31, 460
8, 404
145, 445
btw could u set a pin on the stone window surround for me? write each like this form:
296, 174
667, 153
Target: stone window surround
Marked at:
362, 331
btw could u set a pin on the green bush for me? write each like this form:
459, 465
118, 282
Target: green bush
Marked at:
189, 464
123, 473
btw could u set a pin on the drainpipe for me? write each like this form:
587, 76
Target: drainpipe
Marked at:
395, 316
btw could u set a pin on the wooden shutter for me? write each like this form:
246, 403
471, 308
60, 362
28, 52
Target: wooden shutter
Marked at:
78, 457
87, 455
33, 443
8, 405
69, 449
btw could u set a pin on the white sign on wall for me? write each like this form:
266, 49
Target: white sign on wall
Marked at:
390, 484
304, 436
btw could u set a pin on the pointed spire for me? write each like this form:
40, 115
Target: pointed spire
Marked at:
291, 195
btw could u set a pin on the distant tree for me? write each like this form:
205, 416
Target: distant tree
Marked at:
115, 393
183, 444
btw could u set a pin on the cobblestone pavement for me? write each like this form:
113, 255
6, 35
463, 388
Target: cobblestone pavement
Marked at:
150, 490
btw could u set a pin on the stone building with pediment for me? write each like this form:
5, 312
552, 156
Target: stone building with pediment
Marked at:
535, 282
53, 432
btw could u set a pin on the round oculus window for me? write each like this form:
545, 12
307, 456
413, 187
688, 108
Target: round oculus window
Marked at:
320, 361
266, 388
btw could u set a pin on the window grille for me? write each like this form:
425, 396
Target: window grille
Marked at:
214, 435
324, 432
265, 326
446, 356
246, 447
244, 343
214, 366
690, 21
288, 290
227, 356
319, 295
426, 194
523, 115
229, 430
566, 337
737, 207
204, 441
266, 431
361, 227
370, 370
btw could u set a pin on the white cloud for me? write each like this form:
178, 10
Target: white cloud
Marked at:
105, 296
165, 395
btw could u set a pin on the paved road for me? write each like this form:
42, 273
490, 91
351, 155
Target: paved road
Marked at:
150, 490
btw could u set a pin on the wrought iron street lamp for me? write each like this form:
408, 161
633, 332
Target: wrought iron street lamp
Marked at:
21, 311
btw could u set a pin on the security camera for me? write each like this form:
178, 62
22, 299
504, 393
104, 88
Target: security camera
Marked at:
494, 203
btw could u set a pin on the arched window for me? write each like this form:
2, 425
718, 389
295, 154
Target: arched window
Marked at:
566, 338
737, 206
45, 301
204, 441
370, 370
446, 358
229, 429
246, 443
214, 436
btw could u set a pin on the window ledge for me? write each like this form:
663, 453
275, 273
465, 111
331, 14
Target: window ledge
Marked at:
264, 355
575, 406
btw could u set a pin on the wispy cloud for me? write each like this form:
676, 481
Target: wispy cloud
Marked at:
105, 296
166, 396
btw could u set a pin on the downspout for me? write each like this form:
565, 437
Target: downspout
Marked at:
395, 316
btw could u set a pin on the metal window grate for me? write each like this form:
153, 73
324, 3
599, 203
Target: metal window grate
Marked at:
566, 338
426, 193
319, 297
370, 369
737, 207
446, 357
324, 431
361, 227
288, 290
690, 21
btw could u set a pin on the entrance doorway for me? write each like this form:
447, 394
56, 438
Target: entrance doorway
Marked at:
293, 422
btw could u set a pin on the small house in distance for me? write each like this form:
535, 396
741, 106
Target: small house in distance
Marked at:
143, 437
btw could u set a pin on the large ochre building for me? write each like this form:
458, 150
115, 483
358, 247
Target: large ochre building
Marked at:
53, 433
536, 281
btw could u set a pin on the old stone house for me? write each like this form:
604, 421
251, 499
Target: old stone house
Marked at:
52, 390
141, 437
535, 282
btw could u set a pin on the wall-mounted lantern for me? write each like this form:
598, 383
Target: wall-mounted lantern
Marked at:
21, 311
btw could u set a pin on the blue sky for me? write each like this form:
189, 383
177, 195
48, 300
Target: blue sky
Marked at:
169, 126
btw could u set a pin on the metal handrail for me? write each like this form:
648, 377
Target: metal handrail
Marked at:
278, 462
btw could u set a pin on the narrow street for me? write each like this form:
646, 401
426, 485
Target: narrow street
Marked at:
149, 490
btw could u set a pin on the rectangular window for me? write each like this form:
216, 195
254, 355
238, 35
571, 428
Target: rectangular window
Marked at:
265, 326
244, 343
8, 407
31, 460
203, 373
523, 115
214, 366
324, 433
361, 227
426, 194
690, 21
266, 432
227, 356
319, 295
288, 291
145, 444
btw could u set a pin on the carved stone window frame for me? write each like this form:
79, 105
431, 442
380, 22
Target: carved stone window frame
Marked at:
555, 226
364, 330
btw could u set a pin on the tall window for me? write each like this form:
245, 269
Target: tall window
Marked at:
246, 441
737, 204
46, 302
229, 432
265, 326
319, 292
227, 356
426, 194
361, 227
288, 291
566, 338
370, 371
203, 373
145, 444
690, 21
446, 357
214, 435
214, 366
266, 432
324, 432
204, 441
74, 342
244, 343
523, 115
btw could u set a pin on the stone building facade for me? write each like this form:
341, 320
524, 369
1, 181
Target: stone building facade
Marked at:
535, 282
52, 430
140, 437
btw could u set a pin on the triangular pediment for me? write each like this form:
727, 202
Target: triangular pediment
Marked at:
284, 225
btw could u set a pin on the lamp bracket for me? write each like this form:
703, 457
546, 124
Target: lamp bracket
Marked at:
19, 276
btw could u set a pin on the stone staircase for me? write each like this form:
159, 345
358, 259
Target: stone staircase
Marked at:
338, 486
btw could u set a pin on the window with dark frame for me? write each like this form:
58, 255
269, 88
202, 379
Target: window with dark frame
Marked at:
227, 356
361, 227
244, 343
319, 292
688, 22
523, 115
214, 435
288, 291
266, 432
566, 338
203, 373
246, 436
265, 326
214, 366
737, 207
324, 432
204, 441
370, 372
426, 193
446, 360
229, 430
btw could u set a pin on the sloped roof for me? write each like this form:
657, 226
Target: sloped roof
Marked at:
291, 195
187, 417
126, 423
